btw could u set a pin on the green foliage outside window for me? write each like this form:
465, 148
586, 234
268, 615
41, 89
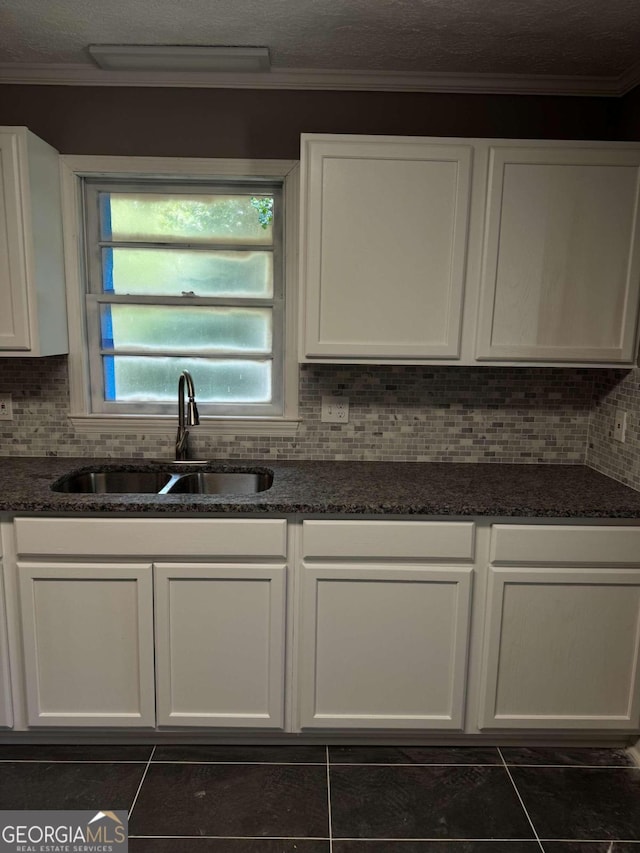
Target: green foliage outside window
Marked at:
264, 206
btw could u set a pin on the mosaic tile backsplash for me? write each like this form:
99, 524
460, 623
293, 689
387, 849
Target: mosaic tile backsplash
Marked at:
399, 413
613, 390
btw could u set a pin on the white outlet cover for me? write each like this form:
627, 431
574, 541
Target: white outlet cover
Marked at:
620, 425
6, 409
335, 410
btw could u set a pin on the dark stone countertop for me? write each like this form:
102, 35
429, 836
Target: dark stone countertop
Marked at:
324, 487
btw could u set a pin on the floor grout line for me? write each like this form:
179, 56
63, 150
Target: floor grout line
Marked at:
144, 776
246, 837
594, 840
515, 788
67, 761
329, 801
578, 766
409, 764
317, 763
394, 840
267, 763
321, 838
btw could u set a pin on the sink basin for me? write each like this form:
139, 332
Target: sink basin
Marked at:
165, 482
114, 482
221, 483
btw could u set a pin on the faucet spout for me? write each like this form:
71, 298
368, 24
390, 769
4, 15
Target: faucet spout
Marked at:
190, 419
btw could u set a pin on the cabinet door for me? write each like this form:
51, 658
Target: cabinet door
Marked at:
561, 268
14, 317
220, 637
561, 649
88, 643
384, 647
384, 234
6, 710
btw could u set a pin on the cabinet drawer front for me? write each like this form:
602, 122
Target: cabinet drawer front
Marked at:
152, 537
389, 540
563, 545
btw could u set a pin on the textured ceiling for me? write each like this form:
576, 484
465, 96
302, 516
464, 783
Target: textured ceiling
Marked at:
550, 37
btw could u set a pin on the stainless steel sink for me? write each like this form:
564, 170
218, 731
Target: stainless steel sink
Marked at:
165, 482
114, 482
221, 483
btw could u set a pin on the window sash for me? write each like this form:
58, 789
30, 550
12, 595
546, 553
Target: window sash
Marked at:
94, 297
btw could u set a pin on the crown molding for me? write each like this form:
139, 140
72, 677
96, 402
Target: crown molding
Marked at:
630, 79
44, 74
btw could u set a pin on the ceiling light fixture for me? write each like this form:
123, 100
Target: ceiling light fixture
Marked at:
167, 57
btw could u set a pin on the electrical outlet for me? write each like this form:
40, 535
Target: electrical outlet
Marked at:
6, 410
620, 425
335, 410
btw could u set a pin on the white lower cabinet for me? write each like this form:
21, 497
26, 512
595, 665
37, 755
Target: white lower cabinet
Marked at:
562, 633
106, 640
384, 644
88, 643
408, 626
220, 638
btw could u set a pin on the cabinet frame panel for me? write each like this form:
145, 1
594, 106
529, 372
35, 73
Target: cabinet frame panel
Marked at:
553, 154
501, 577
313, 574
6, 704
275, 575
139, 574
13, 234
316, 149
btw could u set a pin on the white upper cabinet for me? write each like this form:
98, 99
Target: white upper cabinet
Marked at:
384, 224
560, 269
409, 254
32, 287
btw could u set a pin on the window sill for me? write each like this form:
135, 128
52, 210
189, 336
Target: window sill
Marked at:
164, 425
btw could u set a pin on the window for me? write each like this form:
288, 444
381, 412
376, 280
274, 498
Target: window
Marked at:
181, 272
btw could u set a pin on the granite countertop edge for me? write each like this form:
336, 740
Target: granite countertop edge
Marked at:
336, 488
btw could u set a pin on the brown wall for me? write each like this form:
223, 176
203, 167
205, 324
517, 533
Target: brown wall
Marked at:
268, 123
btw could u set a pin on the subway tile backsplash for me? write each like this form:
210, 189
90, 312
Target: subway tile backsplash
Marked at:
613, 390
397, 413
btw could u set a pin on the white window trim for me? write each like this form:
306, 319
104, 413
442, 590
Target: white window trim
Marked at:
73, 168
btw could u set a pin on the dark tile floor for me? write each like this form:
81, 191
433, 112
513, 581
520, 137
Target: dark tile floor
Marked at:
355, 799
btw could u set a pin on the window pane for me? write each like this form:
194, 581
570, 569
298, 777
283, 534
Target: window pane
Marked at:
188, 329
149, 379
181, 218
173, 272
